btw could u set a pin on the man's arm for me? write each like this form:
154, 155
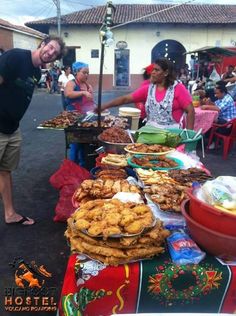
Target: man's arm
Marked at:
190, 117
210, 107
231, 80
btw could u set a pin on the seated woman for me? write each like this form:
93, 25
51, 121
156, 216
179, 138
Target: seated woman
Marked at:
79, 96
166, 100
224, 105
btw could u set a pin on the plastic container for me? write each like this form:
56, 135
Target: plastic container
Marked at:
190, 144
211, 217
131, 112
196, 100
215, 243
134, 165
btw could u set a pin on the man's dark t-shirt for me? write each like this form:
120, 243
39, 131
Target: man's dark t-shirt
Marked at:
20, 77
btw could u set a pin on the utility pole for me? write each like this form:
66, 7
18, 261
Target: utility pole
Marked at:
58, 6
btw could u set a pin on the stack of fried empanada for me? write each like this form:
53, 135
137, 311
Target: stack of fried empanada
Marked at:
91, 231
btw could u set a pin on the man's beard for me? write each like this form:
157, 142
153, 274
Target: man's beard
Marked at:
41, 56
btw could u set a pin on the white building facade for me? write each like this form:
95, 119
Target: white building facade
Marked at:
138, 44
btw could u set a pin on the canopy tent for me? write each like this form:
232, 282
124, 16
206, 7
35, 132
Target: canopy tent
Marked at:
220, 56
217, 51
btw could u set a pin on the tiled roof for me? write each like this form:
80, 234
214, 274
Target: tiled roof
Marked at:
19, 28
188, 13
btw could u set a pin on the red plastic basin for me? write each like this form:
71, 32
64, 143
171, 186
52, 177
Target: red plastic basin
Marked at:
215, 243
211, 217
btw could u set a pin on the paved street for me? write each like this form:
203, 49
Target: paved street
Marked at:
42, 154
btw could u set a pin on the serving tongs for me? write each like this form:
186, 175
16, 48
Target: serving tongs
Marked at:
194, 137
184, 131
87, 117
130, 136
198, 133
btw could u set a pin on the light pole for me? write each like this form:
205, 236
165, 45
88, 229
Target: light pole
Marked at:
58, 6
106, 36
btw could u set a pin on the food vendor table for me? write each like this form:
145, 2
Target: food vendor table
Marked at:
204, 119
148, 286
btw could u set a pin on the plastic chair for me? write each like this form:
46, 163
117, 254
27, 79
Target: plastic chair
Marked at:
228, 140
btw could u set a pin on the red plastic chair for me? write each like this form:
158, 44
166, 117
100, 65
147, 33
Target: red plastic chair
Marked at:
228, 140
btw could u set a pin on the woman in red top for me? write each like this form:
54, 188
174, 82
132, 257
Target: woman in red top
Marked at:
167, 101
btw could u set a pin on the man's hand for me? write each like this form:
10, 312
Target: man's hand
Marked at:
96, 109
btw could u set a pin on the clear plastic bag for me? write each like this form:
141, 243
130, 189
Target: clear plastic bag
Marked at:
171, 220
221, 192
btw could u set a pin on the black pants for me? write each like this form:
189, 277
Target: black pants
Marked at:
223, 130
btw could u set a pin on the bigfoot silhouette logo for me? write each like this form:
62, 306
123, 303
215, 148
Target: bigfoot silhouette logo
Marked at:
29, 294
29, 275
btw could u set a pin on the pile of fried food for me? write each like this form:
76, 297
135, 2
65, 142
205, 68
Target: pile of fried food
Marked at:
149, 161
112, 173
190, 175
115, 135
63, 120
107, 121
104, 218
115, 160
168, 196
101, 189
146, 149
168, 189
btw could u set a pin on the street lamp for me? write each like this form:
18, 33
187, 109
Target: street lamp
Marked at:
106, 37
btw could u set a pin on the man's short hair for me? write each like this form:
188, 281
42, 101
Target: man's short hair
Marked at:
60, 42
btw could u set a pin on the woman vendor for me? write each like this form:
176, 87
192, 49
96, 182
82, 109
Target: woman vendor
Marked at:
78, 92
79, 97
167, 101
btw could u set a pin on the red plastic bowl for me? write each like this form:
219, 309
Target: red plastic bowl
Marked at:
215, 243
212, 217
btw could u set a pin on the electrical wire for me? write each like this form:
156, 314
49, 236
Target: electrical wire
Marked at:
43, 10
151, 14
79, 3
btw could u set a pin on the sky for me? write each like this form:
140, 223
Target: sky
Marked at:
21, 11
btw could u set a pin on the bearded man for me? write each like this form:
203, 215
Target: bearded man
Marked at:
19, 73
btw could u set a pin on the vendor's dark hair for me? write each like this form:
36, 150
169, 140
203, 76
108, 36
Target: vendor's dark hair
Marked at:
146, 76
60, 42
166, 65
